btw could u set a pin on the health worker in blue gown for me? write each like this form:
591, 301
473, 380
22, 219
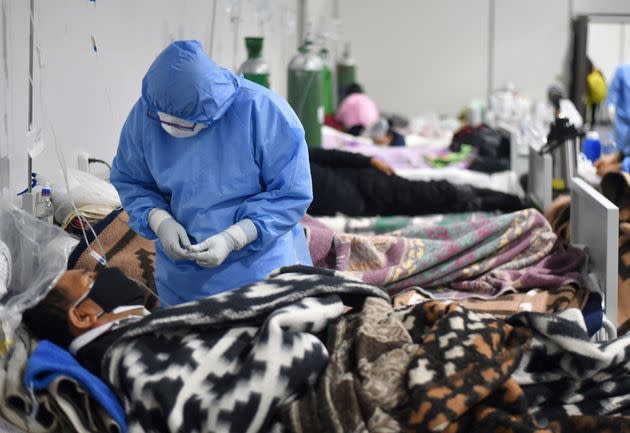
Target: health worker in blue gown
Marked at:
215, 168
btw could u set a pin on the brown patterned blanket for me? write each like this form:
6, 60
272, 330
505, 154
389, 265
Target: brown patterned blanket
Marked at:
437, 367
124, 249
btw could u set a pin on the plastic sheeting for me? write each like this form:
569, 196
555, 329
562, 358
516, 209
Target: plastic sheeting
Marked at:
39, 255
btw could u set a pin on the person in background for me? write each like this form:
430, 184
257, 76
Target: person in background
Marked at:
356, 185
596, 90
215, 169
356, 111
382, 133
618, 103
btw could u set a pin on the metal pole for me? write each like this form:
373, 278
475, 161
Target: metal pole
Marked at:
302, 12
30, 88
491, 34
213, 25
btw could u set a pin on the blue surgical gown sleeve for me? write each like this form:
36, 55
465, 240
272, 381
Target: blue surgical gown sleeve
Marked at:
614, 90
132, 178
281, 153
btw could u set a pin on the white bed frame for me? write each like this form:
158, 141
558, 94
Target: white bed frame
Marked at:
595, 225
539, 178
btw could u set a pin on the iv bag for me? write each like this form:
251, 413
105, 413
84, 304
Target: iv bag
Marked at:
35, 142
234, 10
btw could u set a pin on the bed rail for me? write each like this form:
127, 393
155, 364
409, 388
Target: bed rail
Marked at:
595, 224
539, 179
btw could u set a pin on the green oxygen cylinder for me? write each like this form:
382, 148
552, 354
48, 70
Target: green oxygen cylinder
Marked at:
305, 93
255, 68
327, 84
346, 73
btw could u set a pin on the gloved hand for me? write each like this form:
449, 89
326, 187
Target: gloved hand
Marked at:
172, 235
214, 250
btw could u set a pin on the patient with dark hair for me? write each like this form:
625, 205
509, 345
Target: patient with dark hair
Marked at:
85, 311
357, 185
223, 363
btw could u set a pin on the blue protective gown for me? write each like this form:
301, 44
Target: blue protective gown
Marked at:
251, 162
619, 96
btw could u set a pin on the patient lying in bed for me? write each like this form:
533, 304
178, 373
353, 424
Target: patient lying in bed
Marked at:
356, 185
85, 311
224, 363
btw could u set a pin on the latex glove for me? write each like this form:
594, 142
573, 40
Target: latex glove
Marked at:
214, 250
172, 235
381, 166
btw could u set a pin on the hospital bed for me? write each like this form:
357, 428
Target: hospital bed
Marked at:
594, 227
409, 162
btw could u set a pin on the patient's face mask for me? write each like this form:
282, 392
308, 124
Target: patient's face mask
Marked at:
179, 128
112, 289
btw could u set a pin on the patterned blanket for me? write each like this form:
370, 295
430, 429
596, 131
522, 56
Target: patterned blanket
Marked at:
616, 188
438, 367
397, 157
386, 224
552, 300
225, 363
482, 258
65, 406
564, 373
124, 249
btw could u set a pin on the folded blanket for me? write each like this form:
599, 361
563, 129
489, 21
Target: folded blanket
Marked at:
48, 363
225, 363
63, 406
438, 367
551, 300
15, 400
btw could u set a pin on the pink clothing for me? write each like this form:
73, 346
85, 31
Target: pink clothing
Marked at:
357, 109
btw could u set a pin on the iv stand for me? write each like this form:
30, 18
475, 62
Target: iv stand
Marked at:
28, 199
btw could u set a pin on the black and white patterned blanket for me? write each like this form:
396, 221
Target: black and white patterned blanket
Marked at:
565, 374
226, 363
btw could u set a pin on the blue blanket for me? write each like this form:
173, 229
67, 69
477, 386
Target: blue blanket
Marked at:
49, 361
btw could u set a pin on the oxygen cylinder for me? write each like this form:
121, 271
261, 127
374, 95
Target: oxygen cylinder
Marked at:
305, 93
327, 84
346, 73
255, 68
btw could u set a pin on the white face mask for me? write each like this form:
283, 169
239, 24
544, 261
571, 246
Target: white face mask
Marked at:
178, 132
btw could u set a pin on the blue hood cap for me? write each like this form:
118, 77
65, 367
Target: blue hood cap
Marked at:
184, 82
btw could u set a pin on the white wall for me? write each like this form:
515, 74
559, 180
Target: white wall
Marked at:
419, 55
416, 56
13, 94
605, 46
413, 56
586, 7
83, 96
532, 42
